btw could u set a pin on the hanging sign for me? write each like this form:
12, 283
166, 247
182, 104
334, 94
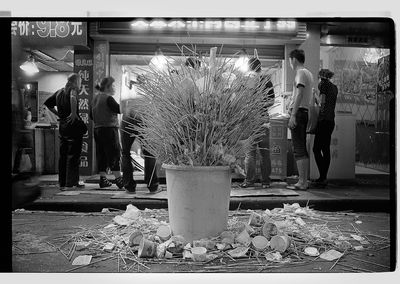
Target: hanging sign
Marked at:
83, 65
54, 33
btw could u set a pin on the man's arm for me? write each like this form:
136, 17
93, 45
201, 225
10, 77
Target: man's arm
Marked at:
74, 115
113, 105
50, 103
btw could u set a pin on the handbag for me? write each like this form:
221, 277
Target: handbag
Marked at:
313, 113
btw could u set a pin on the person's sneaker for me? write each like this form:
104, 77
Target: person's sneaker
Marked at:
80, 185
154, 188
119, 182
130, 186
104, 182
246, 184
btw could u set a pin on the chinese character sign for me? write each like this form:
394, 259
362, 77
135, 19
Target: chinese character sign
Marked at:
83, 65
55, 33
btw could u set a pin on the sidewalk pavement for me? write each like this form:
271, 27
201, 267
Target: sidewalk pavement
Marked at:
369, 192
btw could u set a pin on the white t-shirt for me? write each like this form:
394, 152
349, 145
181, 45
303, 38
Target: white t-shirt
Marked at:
305, 79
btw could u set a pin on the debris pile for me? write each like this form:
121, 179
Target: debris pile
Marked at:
264, 239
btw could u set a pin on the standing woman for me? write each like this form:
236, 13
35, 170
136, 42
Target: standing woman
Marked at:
325, 126
104, 112
71, 138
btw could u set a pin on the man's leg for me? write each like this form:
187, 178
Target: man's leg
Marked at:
265, 159
126, 163
73, 161
250, 167
62, 161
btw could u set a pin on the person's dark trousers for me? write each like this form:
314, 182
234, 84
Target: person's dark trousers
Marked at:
108, 150
321, 148
128, 136
68, 166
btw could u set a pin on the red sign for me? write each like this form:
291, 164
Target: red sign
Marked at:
56, 33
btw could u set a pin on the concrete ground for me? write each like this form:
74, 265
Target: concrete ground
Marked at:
370, 191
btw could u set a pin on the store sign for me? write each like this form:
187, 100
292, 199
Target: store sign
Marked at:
216, 25
83, 65
55, 33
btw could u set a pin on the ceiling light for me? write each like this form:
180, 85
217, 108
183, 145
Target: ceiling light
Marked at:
232, 24
29, 66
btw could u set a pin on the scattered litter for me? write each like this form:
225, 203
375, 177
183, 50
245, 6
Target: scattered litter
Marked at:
311, 251
273, 256
357, 238
238, 252
19, 210
108, 247
82, 260
260, 243
105, 210
280, 243
331, 255
134, 238
300, 221
164, 232
199, 253
244, 238
282, 235
110, 226
358, 222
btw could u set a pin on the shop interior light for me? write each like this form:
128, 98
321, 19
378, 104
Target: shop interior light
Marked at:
193, 24
286, 25
267, 25
176, 24
250, 25
159, 61
213, 24
28, 86
241, 63
232, 24
140, 24
29, 66
158, 24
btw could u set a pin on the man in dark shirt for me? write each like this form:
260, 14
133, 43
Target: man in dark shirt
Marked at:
326, 125
65, 100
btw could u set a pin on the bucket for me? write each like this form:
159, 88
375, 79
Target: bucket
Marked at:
198, 200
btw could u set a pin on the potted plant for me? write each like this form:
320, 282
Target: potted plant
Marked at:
199, 122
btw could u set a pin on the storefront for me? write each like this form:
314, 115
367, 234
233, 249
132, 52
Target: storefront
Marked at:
124, 49
47, 55
133, 45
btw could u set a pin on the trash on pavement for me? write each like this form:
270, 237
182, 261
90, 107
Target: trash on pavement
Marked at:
82, 260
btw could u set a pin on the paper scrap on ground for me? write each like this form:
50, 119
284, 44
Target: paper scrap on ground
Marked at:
357, 238
331, 255
82, 260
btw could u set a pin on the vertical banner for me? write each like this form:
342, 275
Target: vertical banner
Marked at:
83, 65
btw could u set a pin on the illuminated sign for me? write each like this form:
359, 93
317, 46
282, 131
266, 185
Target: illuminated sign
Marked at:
56, 33
228, 25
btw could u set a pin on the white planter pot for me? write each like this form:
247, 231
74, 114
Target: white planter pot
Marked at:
198, 200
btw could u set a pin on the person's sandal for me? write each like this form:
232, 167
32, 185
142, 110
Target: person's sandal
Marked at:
104, 182
298, 186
